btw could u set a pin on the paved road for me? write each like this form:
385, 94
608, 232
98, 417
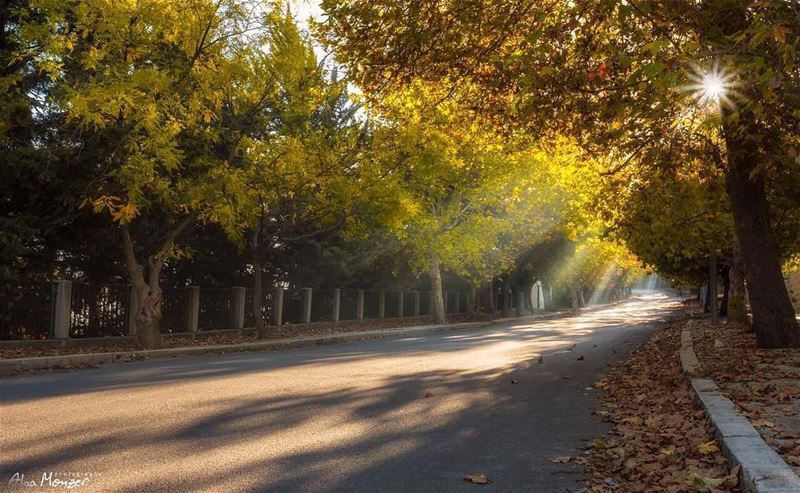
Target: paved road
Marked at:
351, 417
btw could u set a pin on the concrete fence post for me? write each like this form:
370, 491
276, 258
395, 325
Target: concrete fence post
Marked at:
382, 304
400, 304
237, 307
307, 292
360, 305
277, 306
416, 303
445, 296
520, 303
193, 308
133, 308
337, 301
62, 308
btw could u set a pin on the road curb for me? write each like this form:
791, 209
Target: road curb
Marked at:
13, 366
762, 469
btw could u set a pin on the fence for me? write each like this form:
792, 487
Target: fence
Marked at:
65, 309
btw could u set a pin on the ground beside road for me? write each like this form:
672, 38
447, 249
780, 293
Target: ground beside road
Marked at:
763, 383
662, 439
403, 414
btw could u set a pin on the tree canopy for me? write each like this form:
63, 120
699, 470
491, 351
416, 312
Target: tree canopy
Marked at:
645, 84
578, 143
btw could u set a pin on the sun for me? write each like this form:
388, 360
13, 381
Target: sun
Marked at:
712, 87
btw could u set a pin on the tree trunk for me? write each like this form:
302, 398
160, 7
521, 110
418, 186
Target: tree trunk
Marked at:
581, 299
436, 287
737, 309
492, 304
148, 292
148, 289
148, 317
506, 301
774, 319
726, 289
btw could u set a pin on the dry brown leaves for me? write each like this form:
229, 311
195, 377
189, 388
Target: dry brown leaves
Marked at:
660, 441
764, 383
477, 478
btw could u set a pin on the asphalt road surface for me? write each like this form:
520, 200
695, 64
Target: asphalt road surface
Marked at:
401, 414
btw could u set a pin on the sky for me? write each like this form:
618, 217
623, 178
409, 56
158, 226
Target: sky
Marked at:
304, 10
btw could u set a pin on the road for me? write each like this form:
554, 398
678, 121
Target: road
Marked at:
399, 414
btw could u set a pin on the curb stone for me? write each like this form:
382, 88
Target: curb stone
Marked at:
13, 366
763, 470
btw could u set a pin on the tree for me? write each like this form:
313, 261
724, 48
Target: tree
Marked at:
460, 189
150, 78
293, 146
613, 74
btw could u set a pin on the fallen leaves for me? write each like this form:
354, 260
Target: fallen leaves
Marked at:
600, 443
477, 478
702, 483
763, 383
705, 484
709, 447
566, 459
763, 423
660, 441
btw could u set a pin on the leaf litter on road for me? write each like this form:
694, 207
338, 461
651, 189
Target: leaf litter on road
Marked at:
477, 478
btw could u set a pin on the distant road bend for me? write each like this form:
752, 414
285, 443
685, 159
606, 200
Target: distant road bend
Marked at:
401, 414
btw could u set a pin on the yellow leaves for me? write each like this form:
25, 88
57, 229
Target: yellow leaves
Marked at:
701, 483
704, 484
125, 214
707, 448
779, 33
477, 478
599, 443
121, 212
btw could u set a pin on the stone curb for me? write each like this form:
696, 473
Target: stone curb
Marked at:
13, 366
763, 470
